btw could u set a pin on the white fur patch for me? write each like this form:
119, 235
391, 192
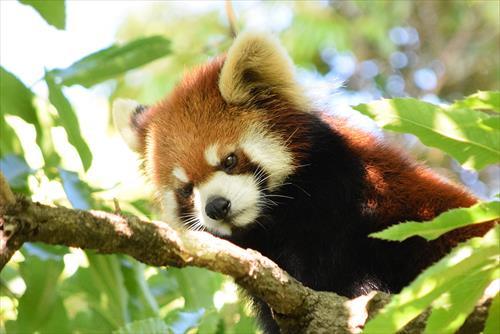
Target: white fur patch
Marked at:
180, 174
243, 193
211, 155
170, 207
122, 110
150, 154
269, 152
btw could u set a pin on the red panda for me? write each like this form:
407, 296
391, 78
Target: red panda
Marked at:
238, 150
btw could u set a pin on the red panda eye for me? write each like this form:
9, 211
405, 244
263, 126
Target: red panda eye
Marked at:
229, 162
186, 191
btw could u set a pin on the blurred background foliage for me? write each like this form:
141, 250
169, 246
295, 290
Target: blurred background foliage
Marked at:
59, 74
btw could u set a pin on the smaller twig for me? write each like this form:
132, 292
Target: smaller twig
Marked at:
6, 195
7, 199
231, 17
118, 210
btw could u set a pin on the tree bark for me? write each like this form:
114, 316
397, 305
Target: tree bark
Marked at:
296, 308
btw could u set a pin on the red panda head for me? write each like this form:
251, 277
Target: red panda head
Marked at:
231, 132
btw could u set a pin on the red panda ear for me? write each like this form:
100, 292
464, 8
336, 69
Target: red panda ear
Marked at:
127, 119
258, 66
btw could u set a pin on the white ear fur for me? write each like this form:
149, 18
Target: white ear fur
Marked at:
123, 112
262, 56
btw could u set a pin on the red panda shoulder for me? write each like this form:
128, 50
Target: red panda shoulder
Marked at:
398, 189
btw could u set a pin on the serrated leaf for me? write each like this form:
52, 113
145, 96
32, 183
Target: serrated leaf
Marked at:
146, 326
110, 62
480, 101
492, 325
454, 131
445, 222
451, 309
476, 254
69, 121
52, 11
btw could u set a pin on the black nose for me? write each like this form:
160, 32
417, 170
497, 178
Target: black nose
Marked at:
217, 207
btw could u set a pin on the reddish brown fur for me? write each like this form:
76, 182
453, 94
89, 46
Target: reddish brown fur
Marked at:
195, 115
400, 189
395, 189
183, 126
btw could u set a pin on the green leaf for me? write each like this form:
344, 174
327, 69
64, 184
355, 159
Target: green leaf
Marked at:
10, 143
197, 286
148, 326
454, 131
107, 280
101, 287
164, 287
68, 120
474, 255
110, 62
52, 11
451, 309
141, 302
492, 325
480, 101
17, 99
447, 221
40, 308
492, 122
211, 322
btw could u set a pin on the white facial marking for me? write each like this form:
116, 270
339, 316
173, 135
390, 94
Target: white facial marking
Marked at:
268, 152
198, 205
241, 190
180, 174
211, 155
150, 154
170, 207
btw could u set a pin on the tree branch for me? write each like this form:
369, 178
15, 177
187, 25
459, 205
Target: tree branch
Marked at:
296, 308
7, 198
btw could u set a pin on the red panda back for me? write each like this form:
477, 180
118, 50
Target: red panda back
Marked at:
399, 189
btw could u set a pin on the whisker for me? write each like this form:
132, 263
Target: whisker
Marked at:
281, 196
290, 137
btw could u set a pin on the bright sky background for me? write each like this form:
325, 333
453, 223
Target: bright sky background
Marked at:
28, 44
